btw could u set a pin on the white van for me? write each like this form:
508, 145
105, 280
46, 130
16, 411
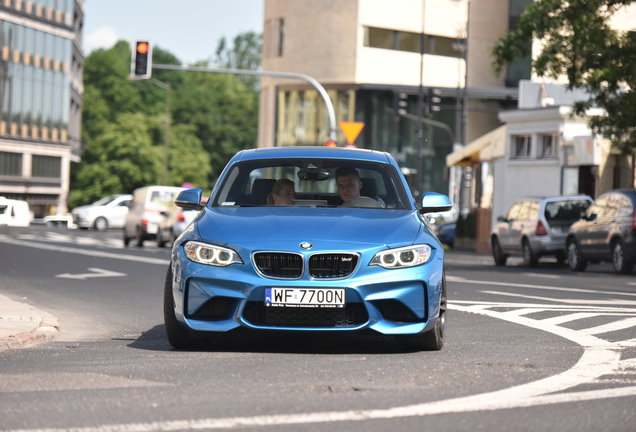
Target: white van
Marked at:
14, 212
144, 214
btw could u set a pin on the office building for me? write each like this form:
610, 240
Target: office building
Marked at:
41, 66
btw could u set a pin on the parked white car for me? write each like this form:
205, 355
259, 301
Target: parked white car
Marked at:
15, 212
142, 220
108, 212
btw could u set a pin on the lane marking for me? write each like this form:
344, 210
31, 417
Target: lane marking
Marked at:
457, 279
87, 252
541, 275
568, 318
616, 302
95, 273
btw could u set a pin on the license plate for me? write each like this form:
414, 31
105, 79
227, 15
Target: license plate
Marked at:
305, 297
152, 228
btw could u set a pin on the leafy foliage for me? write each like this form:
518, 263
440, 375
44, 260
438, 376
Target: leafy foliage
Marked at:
579, 43
212, 117
244, 53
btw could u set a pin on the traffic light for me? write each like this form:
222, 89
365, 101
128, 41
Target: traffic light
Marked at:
141, 62
402, 103
434, 100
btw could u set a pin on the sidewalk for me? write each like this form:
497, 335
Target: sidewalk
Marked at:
22, 324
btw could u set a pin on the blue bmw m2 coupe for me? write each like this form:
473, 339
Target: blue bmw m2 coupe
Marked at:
308, 239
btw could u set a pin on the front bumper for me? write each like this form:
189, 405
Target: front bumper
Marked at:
220, 299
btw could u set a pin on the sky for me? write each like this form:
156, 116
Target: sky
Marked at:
189, 29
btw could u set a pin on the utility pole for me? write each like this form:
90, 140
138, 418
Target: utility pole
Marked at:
420, 111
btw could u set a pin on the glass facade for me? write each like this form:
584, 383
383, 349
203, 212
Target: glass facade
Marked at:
34, 83
302, 120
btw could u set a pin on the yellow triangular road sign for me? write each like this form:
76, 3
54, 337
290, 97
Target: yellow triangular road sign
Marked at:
351, 130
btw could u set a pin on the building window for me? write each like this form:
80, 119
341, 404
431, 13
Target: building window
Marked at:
10, 164
281, 36
521, 146
549, 146
375, 37
46, 166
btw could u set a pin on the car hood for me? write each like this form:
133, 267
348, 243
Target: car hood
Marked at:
254, 225
83, 209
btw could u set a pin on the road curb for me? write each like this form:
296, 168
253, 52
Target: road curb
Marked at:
47, 330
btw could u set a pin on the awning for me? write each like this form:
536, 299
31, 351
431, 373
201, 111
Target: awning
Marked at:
485, 148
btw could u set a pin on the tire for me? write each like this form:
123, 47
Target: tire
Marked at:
561, 257
530, 259
126, 239
177, 335
621, 264
432, 340
160, 241
139, 238
576, 260
497, 253
100, 224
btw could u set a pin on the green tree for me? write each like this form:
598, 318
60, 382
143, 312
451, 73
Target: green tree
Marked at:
579, 43
223, 112
243, 53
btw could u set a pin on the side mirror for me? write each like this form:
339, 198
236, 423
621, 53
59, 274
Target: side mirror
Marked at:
590, 218
435, 203
189, 199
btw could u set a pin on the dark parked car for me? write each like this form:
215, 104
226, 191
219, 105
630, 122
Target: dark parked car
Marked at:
536, 226
606, 232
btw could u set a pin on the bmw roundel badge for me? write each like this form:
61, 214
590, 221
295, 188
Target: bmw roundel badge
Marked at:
306, 245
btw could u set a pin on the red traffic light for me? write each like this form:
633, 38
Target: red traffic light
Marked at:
331, 144
142, 47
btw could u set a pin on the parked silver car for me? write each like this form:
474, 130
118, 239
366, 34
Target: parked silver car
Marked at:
108, 212
536, 226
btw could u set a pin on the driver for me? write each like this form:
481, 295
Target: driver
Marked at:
349, 186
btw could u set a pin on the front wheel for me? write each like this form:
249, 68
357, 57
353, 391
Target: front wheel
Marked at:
177, 335
139, 238
497, 253
621, 264
576, 261
101, 224
432, 340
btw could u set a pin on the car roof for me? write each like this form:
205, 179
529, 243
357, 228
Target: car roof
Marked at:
313, 152
556, 198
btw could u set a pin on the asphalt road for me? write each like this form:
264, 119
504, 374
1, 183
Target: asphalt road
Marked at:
526, 349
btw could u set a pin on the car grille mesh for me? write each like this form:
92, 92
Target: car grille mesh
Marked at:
279, 265
332, 265
352, 315
283, 265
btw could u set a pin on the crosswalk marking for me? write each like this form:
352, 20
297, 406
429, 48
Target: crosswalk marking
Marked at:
614, 326
567, 318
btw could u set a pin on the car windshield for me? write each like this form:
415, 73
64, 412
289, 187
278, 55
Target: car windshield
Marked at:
105, 200
312, 182
3, 209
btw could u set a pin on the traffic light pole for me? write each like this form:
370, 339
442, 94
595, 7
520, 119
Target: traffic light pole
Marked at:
321, 90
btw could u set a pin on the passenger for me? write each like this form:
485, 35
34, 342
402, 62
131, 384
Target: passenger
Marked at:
282, 193
349, 186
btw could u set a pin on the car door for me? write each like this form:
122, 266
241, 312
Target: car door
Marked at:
603, 227
519, 226
502, 229
119, 212
588, 232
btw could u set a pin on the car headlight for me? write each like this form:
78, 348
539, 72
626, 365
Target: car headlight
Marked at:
403, 257
208, 254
